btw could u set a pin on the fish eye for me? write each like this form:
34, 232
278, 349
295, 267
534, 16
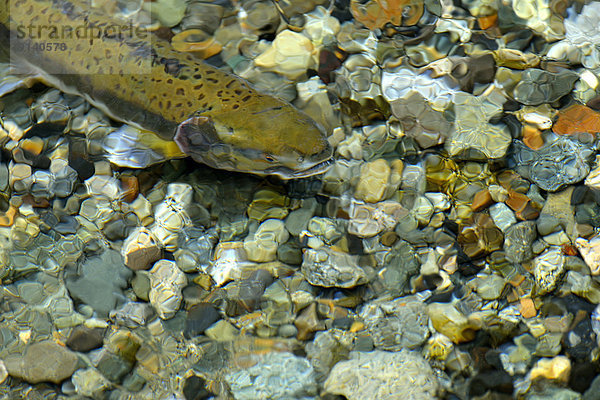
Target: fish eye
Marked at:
300, 159
268, 157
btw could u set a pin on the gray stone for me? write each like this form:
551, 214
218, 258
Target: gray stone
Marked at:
396, 324
518, 240
275, 376
44, 361
330, 268
562, 162
100, 282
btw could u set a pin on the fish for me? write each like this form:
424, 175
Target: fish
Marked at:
136, 78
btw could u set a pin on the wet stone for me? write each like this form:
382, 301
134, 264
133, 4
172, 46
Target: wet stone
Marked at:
84, 339
44, 361
100, 281
397, 324
113, 367
537, 86
275, 376
548, 268
380, 374
133, 314
166, 283
331, 268
194, 388
559, 163
518, 240
200, 317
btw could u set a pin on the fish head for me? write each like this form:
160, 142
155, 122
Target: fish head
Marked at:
266, 137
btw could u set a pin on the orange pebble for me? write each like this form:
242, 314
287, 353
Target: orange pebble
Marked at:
577, 118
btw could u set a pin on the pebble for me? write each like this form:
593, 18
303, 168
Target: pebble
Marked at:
472, 130
380, 374
557, 369
590, 252
44, 361
330, 268
290, 54
262, 245
518, 240
141, 249
373, 182
368, 220
548, 268
166, 283
449, 321
557, 164
275, 376
84, 339
100, 282
397, 324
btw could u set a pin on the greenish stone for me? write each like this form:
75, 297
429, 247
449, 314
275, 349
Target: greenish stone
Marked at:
113, 367
290, 253
141, 285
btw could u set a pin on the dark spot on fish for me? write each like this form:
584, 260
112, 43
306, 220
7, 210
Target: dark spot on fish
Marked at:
230, 84
210, 72
198, 87
212, 80
237, 91
180, 92
160, 104
189, 103
244, 99
220, 93
202, 96
236, 106
168, 103
169, 81
197, 76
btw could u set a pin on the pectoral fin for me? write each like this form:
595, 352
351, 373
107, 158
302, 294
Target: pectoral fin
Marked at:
196, 135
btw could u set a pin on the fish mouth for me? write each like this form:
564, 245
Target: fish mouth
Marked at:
288, 173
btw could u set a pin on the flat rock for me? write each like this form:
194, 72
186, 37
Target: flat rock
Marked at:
44, 361
383, 375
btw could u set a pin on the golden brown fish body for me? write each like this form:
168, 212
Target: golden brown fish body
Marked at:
135, 77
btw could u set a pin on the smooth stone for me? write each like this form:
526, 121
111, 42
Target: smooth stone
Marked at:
489, 287
262, 245
100, 282
199, 318
290, 253
372, 184
297, 220
44, 361
324, 352
194, 388
449, 321
502, 216
590, 252
90, 382
113, 367
141, 286
84, 339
